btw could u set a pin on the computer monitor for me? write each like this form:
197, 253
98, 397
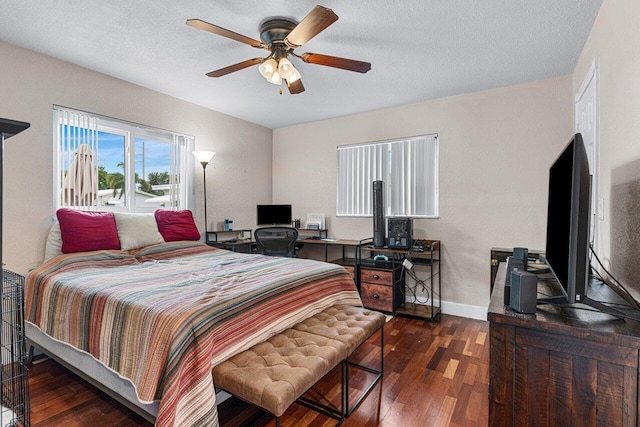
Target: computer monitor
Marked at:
274, 214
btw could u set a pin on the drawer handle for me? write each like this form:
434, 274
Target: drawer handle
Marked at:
375, 276
376, 296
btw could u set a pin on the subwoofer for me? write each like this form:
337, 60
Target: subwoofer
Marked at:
379, 230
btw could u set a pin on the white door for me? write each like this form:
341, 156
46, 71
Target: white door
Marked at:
586, 118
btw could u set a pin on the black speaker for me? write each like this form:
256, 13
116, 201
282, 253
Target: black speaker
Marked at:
524, 292
513, 264
400, 233
522, 254
379, 235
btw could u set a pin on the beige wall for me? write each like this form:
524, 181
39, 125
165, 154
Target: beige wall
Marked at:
615, 43
495, 150
30, 83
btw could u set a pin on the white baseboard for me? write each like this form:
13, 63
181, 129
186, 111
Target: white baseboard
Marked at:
463, 310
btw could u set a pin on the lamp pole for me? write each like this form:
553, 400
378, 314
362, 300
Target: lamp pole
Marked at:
204, 185
204, 157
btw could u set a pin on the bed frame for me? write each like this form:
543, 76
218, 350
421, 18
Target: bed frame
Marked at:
89, 369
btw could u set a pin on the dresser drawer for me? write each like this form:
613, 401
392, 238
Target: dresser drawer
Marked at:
377, 297
376, 276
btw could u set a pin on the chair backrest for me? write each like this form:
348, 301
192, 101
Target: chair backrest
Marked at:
276, 241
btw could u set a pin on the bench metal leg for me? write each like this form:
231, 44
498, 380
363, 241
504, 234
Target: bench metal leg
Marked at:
328, 411
349, 410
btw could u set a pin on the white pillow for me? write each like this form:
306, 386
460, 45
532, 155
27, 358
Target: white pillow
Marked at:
137, 230
54, 242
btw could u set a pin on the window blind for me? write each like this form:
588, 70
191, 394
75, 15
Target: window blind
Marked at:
76, 159
409, 168
87, 179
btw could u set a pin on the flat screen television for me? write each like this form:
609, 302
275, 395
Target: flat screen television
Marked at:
567, 249
274, 214
568, 226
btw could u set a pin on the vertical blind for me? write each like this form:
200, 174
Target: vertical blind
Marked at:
358, 167
181, 173
408, 167
77, 161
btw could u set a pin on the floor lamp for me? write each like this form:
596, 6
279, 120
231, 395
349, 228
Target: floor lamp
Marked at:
204, 157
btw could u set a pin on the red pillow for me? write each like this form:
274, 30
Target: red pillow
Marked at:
176, 225
84, 231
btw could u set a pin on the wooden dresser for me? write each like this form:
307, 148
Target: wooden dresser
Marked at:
562, 366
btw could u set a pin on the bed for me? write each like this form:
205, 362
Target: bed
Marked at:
148, 324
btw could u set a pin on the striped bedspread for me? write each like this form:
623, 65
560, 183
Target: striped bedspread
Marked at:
165, 315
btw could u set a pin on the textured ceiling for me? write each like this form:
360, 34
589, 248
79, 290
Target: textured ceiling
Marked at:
419, 49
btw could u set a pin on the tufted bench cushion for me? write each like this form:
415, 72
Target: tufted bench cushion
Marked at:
274, 374
347, 324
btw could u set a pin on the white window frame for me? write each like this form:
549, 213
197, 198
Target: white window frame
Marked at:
181, 161
410, 185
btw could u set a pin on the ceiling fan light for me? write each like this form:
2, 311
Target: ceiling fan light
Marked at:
268, 68
275, 78
295, 76
286, 68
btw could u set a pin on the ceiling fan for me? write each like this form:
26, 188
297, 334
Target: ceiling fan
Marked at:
281, 36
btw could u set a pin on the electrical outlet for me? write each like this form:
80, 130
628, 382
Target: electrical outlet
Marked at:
407, 264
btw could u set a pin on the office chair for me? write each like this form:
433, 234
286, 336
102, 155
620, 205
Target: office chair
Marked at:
276, 241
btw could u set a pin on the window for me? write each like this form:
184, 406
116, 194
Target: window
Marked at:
408, 167
107, 164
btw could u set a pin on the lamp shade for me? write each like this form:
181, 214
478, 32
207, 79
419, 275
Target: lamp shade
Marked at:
285, 68
204, 157
275, 79
295, 75
268, 68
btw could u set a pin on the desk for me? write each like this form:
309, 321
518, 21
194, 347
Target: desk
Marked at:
344, 244
350, 263
315, 233
212, 236
245, 246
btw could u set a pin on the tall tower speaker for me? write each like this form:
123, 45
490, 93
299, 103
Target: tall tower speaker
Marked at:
379, 230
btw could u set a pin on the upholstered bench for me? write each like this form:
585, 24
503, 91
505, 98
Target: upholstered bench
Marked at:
351, 326
275, 374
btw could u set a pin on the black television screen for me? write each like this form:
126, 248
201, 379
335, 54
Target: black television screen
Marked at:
567, 249
274, 214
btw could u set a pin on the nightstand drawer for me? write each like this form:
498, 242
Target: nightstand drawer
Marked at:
376, 276
377, 297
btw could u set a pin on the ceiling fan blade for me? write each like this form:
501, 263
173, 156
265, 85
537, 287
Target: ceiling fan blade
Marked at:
312, 24
336, 62
235, 67
295, 87
202, 25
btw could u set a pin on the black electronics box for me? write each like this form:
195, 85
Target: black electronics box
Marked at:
400, 233
523, 255
524, 291
372, 262
513, 264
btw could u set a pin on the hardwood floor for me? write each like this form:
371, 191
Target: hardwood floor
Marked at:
434, 376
